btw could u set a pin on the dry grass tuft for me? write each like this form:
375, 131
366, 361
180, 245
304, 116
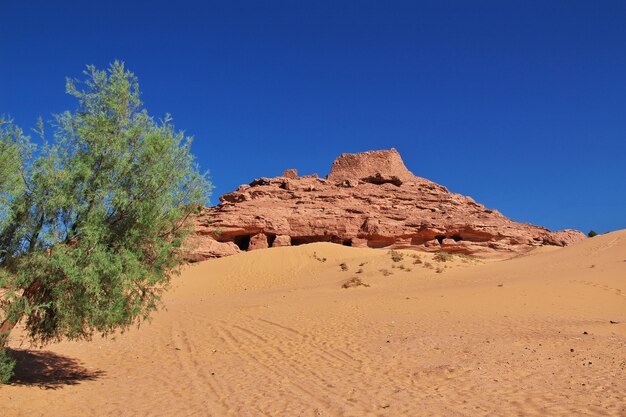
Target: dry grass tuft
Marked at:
442, 257
396, 256
353, 283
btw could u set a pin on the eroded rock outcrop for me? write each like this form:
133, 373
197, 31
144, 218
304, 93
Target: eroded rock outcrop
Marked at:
368, 199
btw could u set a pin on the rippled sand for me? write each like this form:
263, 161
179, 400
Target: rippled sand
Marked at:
273, 333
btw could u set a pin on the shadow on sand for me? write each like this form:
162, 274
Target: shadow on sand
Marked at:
49, 370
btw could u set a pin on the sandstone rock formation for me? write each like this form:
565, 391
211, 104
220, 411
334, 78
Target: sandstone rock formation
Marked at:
368, 199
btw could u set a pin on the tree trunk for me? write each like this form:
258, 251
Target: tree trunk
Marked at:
5, 331
10, 322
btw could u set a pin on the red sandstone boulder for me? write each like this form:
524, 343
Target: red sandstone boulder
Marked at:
291, 173
281, 240
368, 199
258, 241
205, 247
377, 167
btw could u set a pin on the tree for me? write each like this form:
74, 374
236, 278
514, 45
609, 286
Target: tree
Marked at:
592, 233
92, 225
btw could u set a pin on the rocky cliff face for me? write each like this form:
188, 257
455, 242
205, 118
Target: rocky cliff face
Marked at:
368, 199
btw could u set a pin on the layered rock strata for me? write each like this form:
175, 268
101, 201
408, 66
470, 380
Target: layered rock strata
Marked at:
369, 199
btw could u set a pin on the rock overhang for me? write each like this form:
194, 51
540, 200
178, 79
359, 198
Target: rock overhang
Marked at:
368, 199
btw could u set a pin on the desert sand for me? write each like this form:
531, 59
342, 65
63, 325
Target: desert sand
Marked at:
273, 333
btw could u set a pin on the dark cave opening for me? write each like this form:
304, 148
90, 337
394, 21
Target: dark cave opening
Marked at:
242, 241
379, 180
376, 244
347, 242
440, 238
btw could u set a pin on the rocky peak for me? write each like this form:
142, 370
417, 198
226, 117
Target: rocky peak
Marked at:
368, 199
373, 166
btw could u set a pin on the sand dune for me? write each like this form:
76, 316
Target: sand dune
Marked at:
273, 333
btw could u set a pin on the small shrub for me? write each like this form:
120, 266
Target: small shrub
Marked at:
439, 270
354, 282
466, 258
400, 266
408, 269
396, 256
344, 266
362, 263
417, 261
385, 272
360, 271
428, 265
592, 233
442, 257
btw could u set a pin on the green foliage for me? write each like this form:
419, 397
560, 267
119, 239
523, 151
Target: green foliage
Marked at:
91, 225
396, 256
442, 257
466, 258
7, 363
592, 233
14, 148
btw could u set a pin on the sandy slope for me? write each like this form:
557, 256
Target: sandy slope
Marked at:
273, 333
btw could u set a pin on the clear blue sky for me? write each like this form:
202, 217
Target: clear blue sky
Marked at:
521, 105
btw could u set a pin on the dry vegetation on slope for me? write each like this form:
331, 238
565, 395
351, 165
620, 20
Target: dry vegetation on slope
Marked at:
272, 332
